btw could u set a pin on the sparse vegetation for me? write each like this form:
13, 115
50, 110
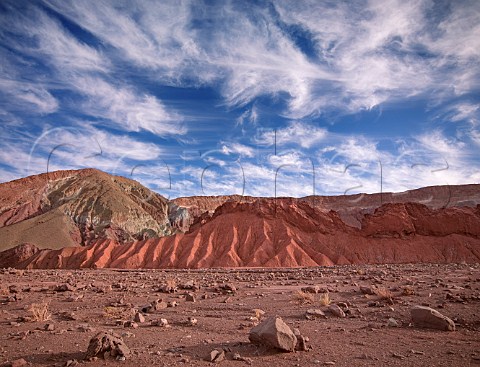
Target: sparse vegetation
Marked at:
384, 293
325, 299
301, 297
408, 291
40, 311
115, 313
170, 286
258, 313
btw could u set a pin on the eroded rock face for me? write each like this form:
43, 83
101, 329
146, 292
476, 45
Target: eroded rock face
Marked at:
17, 255
80, 208
273, 332
105, 345
427, 317
124, 225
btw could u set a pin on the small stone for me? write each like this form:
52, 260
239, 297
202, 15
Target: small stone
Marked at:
311, 289
18, 363
49, 327
336, 311
216, 356
273, 332
313, 313
427, 317
192, 321
190, 297
131, 324
64, 288
139, 318
392, 322
228, 288
161, 323
370, 290
238, 357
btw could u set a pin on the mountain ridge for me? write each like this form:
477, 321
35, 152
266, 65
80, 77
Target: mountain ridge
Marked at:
112, 221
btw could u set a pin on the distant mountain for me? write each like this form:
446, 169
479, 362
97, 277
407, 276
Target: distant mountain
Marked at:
78, 208
90, 219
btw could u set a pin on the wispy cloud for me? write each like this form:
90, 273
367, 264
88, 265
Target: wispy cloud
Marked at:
126, 109
296, 132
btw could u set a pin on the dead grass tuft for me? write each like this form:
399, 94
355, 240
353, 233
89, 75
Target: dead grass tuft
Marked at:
408, 291
258, 313
384, 293
40, 311
115, 313
324, 299
302, 298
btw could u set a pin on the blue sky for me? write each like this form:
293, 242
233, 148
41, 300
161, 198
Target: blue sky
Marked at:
253, 97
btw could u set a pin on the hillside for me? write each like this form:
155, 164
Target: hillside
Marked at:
72, 208
89, 219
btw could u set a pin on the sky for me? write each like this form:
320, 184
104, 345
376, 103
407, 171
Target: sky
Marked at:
261, 98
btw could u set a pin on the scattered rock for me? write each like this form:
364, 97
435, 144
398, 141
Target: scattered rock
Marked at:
427, 317
18, 363
131, 324
216, 356
156, 305
190, 285
64, 288
161, 323
85, 328
238, 357
313, 313
312, 289
107, 344
392, 322
49, 327
190, 297
139, 318
370, 290
273, 332
335, 310
228, 288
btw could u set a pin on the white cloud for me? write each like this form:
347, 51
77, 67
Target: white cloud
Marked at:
434, 141
126, 109
295, 132
29, 97
237, 148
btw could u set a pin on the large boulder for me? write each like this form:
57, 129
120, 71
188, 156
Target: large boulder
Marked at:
273, 332
107, 345
427, 317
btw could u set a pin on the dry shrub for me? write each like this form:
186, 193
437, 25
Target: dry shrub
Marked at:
258, 313
325, 299
384, 293
301, 297
40, 311
170, 286
115, 313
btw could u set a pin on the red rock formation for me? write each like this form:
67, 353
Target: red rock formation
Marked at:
288, 233
80, 207
64, 209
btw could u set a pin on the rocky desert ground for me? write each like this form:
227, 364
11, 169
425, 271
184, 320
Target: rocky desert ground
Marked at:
346, 316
